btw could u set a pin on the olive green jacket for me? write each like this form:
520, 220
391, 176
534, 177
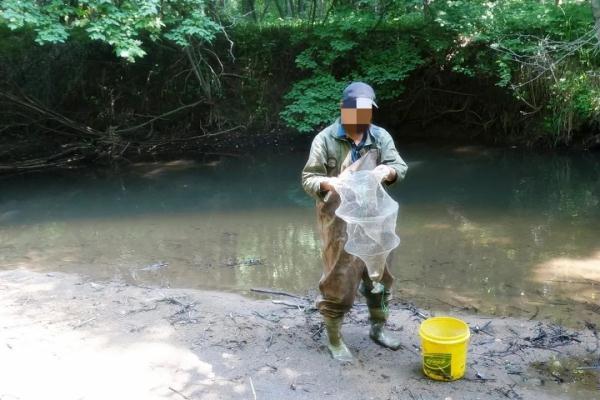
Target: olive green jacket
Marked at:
330, 155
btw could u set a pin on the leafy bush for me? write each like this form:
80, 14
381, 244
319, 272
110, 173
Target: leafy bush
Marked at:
122, 25
543, 53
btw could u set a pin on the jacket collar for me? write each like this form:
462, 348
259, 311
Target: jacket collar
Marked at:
339, 133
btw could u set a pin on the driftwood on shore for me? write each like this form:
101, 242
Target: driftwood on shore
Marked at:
277, 292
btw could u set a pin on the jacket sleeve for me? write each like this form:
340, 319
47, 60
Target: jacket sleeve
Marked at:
390, 157
315, 170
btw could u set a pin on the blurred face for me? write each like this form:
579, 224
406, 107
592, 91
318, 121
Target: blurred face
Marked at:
355, 120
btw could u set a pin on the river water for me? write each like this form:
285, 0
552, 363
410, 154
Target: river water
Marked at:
503, 232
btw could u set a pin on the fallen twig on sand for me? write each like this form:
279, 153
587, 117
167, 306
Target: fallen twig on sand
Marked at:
412, 308
252, 387
269, 342
277, 292
266, 318
185, 308
482, 329
509, 393
142, 309
179, 393
316, 330
410, 393
554, 336
84, 322
535, 314
170, 300
513, 348
547, 338
482, 380
292, 305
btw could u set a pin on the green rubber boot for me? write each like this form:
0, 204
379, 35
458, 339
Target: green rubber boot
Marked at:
379, 334
336, 345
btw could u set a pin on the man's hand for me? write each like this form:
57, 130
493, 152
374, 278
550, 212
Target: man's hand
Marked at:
327, 186
386, 173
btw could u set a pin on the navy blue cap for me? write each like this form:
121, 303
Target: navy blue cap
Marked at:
359, 92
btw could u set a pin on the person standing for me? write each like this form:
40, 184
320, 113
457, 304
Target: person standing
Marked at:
333, 150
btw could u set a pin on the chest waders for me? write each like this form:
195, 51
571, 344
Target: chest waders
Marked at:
345, 274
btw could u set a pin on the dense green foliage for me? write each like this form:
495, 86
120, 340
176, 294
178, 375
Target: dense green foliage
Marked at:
121, 24
347, 49
112, 75
545, 54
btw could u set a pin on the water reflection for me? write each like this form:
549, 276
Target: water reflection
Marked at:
505, 232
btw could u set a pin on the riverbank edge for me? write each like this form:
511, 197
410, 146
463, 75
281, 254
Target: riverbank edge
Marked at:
241, 144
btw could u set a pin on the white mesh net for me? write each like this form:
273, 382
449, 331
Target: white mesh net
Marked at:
370, 215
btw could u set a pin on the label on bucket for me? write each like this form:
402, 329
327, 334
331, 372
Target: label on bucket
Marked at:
438, 364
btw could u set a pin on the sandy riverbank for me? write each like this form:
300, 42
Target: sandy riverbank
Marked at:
64, 337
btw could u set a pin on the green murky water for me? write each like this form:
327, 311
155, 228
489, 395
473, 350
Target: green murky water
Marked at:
506, 232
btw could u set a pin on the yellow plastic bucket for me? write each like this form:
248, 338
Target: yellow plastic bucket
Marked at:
444, 344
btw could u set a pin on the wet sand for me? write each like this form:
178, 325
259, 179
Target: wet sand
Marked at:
63, 336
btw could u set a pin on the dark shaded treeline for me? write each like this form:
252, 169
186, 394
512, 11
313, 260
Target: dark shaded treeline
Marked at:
73, 103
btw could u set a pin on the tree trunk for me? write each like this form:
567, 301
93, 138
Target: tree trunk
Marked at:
596, 12
313, 11
249, 9
279, 9
427, 11
265, 9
